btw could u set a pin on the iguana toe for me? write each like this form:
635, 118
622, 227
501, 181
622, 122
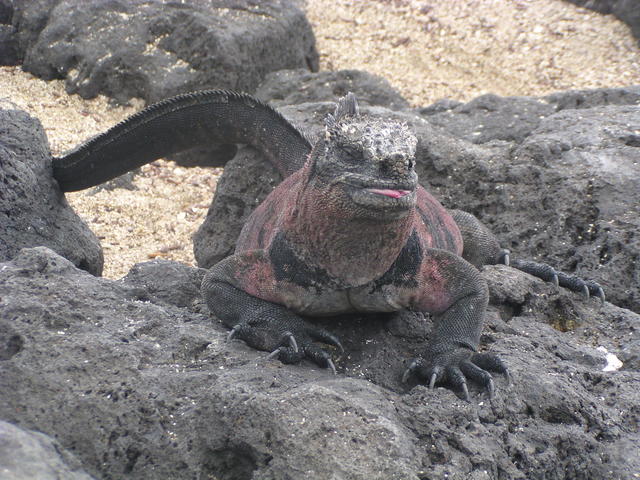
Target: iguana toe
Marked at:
478, 375
490, 362
588, 288
311, 351
540, 270
411, 370
324, 336
332, 366
293, 345
319, 356
457, 380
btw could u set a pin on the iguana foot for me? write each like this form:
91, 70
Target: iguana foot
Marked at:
454, 368
547, 273
289, 341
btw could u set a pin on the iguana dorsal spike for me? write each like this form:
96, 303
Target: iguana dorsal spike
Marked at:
347, 106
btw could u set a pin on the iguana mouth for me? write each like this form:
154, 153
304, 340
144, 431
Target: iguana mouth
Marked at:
376, 195
387, 192
385, 198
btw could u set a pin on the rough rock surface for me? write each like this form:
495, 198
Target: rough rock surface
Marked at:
26, 454
147, 49
136, 387
556, 178
134, 379
9, 54
33, 211
490, 117
6, 11
9, 50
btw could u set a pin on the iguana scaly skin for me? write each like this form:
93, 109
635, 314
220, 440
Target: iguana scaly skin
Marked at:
348, 230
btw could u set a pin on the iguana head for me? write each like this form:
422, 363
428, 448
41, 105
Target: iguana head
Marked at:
366, 163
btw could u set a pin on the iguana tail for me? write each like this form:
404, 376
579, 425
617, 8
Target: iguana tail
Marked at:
179, 123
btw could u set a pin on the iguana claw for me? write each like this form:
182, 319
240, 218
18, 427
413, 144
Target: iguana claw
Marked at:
491, 388
465, 392
275, 353
332, 366
585, 291
234, 331
292, 341
407, 373
434, 377
328, 338
504, 257
595, 290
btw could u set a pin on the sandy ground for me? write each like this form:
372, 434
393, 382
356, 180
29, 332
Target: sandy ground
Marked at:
427, 50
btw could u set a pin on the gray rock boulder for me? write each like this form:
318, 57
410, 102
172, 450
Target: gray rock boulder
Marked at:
155, 49
29, 18
33, 210
167, 283
490, 117
136, 387
588, 206
9, 51
598, 97
246, 181
25, 454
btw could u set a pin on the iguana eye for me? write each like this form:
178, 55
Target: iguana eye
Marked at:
350, 155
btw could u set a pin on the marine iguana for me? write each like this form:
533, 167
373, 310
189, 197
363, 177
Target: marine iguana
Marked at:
349, 229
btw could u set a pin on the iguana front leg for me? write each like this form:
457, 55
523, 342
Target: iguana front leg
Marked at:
262, 324
454, 292
481, 247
